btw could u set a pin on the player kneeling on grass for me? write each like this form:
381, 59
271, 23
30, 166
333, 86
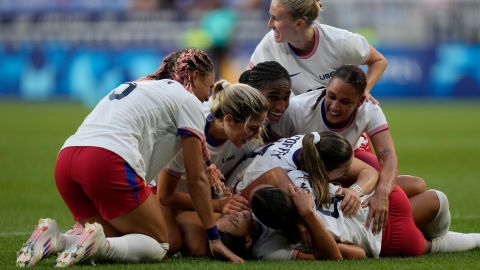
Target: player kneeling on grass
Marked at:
100, 172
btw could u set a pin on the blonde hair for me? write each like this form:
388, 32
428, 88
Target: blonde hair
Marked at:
308, 10
317, 159
241, 101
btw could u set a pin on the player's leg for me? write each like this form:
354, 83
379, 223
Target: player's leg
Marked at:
412, 185
135, 213
401, 237
431, 213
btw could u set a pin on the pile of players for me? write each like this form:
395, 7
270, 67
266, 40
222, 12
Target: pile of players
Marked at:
278, 166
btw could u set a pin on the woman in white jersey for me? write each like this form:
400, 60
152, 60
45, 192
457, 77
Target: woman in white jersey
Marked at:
273, 80
128, 138
311, 51
301, 152
235, 117
343, 108
331, 236
401, 237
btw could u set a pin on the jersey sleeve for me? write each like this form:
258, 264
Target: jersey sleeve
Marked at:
356, 49
190, 118
377, 122
273, 247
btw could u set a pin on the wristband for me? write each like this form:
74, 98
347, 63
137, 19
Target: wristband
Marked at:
358, 189
213, 233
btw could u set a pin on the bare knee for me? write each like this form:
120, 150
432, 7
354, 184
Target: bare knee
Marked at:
412, 185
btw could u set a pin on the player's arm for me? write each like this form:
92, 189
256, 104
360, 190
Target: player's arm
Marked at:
349, 252
366, 179
377, 63
323, 243
378, 203
199, 189
167, 196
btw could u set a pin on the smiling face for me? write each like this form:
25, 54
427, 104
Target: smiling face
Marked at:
240, 132
278, 96
341, 101
202, 85
236, 223
281, 22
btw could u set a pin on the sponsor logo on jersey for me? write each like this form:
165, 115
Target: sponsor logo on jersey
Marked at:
232, 157
326, 76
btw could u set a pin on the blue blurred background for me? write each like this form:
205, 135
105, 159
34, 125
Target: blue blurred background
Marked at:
81, 49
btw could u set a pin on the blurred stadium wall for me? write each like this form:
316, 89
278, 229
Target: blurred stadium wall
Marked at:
80, 49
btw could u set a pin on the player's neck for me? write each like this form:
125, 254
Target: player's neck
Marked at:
304, 43
216, 133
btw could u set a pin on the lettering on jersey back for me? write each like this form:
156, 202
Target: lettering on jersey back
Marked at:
285, 147
332, 210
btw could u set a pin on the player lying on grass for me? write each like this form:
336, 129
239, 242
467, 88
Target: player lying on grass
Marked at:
400, 237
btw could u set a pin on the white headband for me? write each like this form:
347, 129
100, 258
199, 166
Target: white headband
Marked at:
316, 137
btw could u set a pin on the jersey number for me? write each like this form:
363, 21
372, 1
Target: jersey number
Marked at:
124, 93
334, 204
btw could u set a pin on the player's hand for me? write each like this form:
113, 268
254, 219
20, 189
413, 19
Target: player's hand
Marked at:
235, 203
351, 201
368, 96
302, 200
217, 247
378, 214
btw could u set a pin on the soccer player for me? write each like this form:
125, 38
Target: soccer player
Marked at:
342, 107
345, 236
311, 51
306, 152
127, 139
236, 117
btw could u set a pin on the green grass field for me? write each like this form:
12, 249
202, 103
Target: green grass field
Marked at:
438, 141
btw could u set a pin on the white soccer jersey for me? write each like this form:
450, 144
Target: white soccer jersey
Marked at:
141, 122
345, 230
282, 153
271, 245
299, 118
333, 48
225, 156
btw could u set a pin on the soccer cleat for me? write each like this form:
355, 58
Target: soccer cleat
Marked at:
43, 242
92, 242
76, 229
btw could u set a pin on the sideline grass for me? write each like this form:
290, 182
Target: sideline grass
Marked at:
435, 140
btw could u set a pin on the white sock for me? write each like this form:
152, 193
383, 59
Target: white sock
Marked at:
133, 248
441, 223
454, 242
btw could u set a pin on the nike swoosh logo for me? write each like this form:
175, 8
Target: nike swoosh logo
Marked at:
294, 74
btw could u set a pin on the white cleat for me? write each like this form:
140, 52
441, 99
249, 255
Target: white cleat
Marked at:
91, 242
43, 242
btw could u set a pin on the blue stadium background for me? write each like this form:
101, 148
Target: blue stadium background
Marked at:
79, 50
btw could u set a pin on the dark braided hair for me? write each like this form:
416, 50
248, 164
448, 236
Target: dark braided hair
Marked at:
263, 74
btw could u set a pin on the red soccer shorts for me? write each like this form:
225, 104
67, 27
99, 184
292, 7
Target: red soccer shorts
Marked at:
401, 237
94, 181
